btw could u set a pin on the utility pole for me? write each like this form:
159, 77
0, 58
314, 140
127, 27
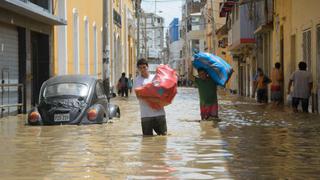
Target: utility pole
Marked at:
145, 37
138, 11
106, 48
213, 32
187, 42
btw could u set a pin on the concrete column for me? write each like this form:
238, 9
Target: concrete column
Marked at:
86, 45
62, 39
76, 41
95, 49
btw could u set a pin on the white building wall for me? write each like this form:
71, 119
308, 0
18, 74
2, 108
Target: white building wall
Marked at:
174, 56
86, 45
76, 41
62, 39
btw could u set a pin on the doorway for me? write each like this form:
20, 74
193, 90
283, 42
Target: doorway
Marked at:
40, 63
282, 61
318, 69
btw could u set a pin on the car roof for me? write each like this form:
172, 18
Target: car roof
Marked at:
84, 79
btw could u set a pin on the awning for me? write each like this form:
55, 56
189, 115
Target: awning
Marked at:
32, 11
226, 7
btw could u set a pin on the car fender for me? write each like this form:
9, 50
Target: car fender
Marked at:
114, 111
102, 115
34, 109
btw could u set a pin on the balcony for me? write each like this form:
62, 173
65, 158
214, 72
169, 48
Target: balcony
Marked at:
242, 29
263, 16
38, 10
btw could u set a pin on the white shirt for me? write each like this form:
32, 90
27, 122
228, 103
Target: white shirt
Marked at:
145, 110
301, 81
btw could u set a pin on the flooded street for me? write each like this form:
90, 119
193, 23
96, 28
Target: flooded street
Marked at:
252, 141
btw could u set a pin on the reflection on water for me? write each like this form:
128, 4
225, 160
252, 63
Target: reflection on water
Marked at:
251, 141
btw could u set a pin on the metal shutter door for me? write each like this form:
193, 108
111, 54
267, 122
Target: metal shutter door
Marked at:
9, 68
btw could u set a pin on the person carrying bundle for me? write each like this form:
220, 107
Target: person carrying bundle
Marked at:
151, 119
213, 71
208, 95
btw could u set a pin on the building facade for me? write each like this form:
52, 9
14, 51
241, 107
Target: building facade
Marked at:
78, 47
193, 33
242, 43
152, 39
296, 33
26, 50
175, 44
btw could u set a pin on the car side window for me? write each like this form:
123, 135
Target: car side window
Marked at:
99, 91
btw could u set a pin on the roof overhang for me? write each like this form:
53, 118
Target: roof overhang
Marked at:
244, 42
264, 28
32, 11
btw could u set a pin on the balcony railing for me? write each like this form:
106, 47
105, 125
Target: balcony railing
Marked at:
46, 5
242, 29
39, 10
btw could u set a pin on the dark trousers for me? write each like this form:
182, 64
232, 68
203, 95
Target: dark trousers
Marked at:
304, 103
262, 95
124, 91
158, 124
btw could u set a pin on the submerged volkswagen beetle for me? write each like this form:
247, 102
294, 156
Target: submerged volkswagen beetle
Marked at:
73, 99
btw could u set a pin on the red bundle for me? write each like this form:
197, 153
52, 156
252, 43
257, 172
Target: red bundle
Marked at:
161, 91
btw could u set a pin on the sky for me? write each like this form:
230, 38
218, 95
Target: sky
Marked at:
168, 9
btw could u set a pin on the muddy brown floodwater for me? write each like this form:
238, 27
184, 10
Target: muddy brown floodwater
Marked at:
251, 141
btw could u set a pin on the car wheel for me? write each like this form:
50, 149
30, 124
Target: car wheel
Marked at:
105, 119
118, 113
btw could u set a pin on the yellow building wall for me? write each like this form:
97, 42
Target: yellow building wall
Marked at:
282, 20
94, 11
126, 42
130, 59
306, 16
295, 16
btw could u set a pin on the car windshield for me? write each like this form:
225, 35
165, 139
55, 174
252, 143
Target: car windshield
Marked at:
66, 89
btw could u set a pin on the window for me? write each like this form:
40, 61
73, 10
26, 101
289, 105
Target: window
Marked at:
76, 55
195, 20
318, 52
307, 48
66, 89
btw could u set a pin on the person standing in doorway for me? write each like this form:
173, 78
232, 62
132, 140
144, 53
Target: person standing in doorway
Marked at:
123, 85
208, 95
276, 84
151, 119
302, 87
260, 83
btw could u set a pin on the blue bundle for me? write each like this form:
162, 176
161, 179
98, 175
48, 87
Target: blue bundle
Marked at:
218, 69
